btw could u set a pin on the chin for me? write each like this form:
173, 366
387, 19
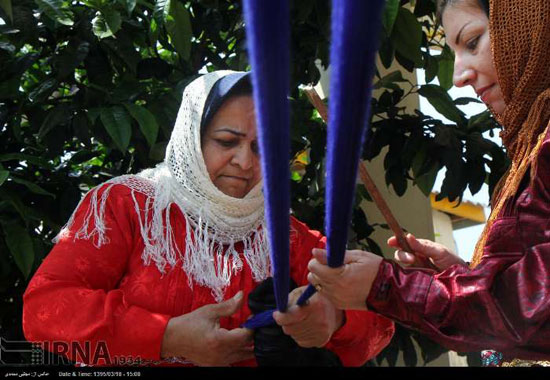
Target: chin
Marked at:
498, 107
234, 193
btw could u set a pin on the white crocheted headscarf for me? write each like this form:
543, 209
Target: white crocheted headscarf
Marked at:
215, 222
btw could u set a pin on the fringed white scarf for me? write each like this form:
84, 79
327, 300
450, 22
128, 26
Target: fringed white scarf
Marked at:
215, 222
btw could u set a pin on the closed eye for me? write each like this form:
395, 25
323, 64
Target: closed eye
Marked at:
227, 143
472, 44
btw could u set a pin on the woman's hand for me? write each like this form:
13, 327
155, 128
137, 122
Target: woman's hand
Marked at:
348, 286
197, 336
441, 257
312, 324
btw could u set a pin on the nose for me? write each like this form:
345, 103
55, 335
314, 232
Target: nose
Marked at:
244, 158
464, 74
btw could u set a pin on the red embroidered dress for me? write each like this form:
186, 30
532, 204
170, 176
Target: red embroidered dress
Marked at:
84, 294
502, 304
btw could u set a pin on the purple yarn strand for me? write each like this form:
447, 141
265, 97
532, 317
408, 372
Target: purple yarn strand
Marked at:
265, 318
355, 27
354, 42
268, 35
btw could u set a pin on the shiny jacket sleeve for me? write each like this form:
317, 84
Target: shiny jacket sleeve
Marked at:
504, 303
73, 296
364, 333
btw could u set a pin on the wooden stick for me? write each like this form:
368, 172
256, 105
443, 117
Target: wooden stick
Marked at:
369, 184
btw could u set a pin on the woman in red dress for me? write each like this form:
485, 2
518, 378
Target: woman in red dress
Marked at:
156, 268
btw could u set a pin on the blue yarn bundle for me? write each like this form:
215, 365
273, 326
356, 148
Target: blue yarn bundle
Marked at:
355, 28
268, 35
354, 42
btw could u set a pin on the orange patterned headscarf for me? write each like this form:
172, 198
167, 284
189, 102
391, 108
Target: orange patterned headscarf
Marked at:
520, 41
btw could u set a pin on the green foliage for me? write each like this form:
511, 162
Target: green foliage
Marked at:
20, 246
90, 89
146, 120
56, 10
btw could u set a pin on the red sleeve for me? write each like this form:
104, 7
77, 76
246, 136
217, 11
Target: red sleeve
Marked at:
73, 296
364, 333
503, 304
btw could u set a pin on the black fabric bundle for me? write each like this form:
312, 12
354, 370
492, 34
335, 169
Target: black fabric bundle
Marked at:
272, 346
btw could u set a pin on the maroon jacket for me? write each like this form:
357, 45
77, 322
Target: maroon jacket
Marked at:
504, 303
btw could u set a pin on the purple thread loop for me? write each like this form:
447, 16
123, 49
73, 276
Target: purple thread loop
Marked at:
265, 318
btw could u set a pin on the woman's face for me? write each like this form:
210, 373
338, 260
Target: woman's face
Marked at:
230, 147
467, 33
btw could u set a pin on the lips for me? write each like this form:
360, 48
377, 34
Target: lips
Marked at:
484, 92
235, 178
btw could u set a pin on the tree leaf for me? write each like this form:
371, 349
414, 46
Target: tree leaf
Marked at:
55, 10
479, 119
390, 14
146, 120
106, 23
123, 47
93, 114
445, 68
476, 175
374, 247
466, 100
161, 11
442, 102
432, 68
95, 4
407, 36
60, 115
391, 351
6, 46
113, 19
20, 245
446, 138
399, 182
6, 6
158, 151
118, 125
127, 91
386, 52
426, 181
130, 5
19, 65
455, 180
5, 29
178, 26
43, 90
4, 174
389, 79
409, 351
38, 161
430, 350
33, 187
445, 73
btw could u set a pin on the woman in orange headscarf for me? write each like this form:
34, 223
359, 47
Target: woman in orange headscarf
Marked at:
502, 301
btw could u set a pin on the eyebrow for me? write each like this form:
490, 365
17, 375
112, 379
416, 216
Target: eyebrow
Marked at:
237, 133
460, 31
